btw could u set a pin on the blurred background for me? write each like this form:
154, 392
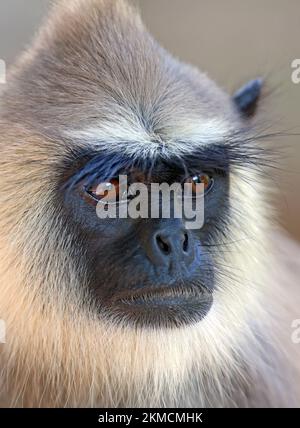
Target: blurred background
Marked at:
232, 41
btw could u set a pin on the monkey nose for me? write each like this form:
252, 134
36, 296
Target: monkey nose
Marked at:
171, 248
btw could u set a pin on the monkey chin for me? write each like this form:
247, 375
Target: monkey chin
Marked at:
163, 308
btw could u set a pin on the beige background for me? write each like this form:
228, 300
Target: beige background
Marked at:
232, 40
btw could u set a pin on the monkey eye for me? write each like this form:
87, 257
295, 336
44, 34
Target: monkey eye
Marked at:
109, 190
204, 179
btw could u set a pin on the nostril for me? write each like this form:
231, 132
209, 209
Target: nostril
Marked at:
185, 244
164, 246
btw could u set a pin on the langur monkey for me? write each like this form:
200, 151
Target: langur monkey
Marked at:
136, 312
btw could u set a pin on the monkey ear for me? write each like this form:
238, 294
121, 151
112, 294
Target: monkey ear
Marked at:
246, 98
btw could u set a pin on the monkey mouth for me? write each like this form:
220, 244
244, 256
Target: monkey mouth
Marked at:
164, 307
161, 296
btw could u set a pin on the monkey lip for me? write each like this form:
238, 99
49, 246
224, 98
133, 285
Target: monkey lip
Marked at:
183, 298
167, 307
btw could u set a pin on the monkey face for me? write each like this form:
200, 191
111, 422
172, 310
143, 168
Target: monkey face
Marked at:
147, 271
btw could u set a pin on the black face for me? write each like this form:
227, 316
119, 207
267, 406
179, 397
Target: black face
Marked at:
149, 272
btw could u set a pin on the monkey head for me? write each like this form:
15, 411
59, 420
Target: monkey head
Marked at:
93, 99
